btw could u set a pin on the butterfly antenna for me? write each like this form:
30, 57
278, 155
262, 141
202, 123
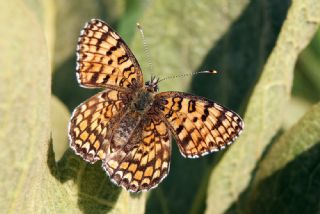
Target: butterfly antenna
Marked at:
145, 47
189, 74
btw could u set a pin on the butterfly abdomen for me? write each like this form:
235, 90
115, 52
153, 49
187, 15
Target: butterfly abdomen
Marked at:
124, 129
140, 104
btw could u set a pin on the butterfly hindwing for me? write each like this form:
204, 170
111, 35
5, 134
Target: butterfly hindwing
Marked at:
145, 160
199, 126
104, 60
91, 121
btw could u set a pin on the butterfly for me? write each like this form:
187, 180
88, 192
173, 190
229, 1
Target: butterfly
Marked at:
129, 125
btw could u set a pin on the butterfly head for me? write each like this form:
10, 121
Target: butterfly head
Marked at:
152, 84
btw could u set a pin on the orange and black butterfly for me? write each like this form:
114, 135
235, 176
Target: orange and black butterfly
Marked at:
129, 125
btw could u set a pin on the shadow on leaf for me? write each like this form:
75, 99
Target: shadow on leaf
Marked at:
96, 193
293, 189
239, 56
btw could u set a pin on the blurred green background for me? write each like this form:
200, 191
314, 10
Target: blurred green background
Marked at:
267, 54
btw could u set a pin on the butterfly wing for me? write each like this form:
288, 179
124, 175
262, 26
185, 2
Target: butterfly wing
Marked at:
199, 126
144, 161
92, 120
104, 60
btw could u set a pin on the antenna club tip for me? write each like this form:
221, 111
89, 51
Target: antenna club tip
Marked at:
211, 71
138, 25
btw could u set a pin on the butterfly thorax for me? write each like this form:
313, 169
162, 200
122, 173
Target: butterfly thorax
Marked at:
142, 100
144, 97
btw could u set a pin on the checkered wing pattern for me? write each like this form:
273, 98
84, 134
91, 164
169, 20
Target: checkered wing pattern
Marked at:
144, 161
199, 126
104, 60
91, 123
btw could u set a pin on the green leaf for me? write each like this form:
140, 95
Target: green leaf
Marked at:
287, 179
59, 125
45, 12
24, 108
295, 109
264, 113
307, 77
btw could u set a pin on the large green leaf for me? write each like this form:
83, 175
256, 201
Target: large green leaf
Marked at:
264, 113
24, 108
288, 178
46, 14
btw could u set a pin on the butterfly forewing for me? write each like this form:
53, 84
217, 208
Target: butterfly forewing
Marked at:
104, 60
145, 160
92, 121
199, 126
